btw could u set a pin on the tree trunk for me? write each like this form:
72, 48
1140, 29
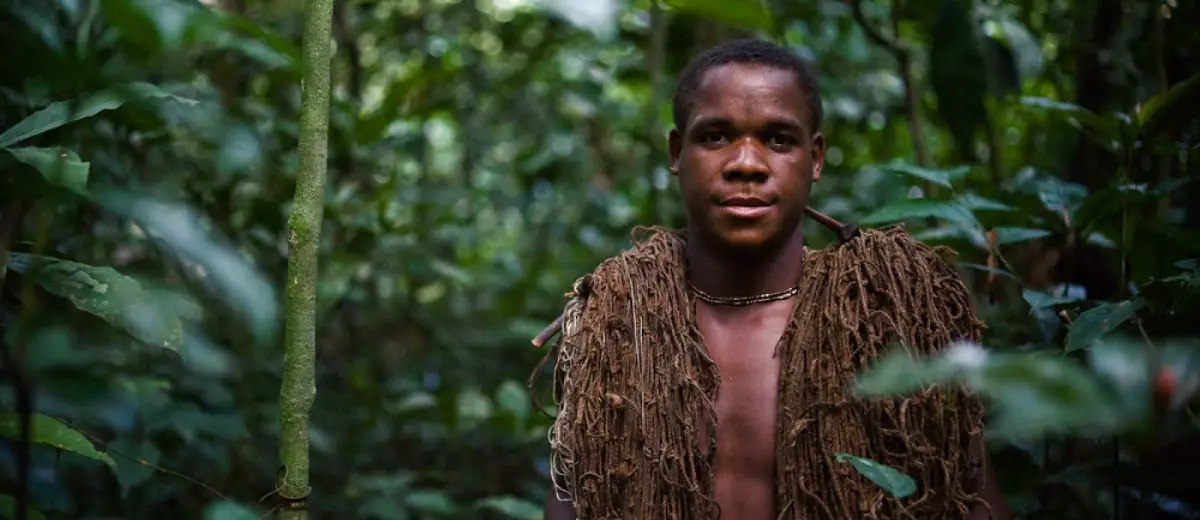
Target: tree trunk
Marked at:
299, 387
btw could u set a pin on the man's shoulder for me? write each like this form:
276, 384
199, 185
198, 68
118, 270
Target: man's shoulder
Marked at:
893, 246
649, 246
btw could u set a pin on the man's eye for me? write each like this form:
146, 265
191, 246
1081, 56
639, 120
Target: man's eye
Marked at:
714, 137
779, 141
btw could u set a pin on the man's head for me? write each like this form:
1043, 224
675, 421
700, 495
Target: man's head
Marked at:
746, 144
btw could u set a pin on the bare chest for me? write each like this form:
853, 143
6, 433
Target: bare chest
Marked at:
743, 344
744, 353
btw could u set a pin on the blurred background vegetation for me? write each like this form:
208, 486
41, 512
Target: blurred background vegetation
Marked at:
484, 154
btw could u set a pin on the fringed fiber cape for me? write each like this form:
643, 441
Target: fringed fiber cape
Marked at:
635, 387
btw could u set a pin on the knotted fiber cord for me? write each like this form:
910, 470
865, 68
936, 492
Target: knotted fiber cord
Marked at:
635, 387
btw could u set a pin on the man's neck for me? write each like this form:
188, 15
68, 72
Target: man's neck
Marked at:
726, 273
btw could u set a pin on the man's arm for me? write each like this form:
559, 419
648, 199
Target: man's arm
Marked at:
559, 510
989, 488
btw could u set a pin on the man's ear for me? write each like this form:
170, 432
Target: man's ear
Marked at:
675, 148
818, 155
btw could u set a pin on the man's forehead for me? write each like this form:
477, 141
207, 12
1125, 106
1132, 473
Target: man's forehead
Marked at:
747, 77
737, 88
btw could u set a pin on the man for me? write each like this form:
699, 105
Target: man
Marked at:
703, 374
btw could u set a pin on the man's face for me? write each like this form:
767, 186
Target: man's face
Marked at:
746, 156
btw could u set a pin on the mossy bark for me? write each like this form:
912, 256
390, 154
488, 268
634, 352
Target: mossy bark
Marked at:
304, 230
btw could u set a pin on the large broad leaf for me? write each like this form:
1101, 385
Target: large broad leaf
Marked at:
1125, 368
1105, 131
936, 176
975, 202
473, 407
909, 209
512, 507
51, 432
511, 397
754, 14
1040, 300
1027, 51
597, 16
59, 166
1056, 195
1013, 235
1134, 199
1179, 104
1029, 394
1102, 319
131, 473
215, 264
890, 479
435, 502
229, 510
63, 112
8, 509
114, 297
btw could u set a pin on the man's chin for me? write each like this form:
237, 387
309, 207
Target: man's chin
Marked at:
748, 241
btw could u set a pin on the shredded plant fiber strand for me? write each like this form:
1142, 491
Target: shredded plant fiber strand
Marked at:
635, 387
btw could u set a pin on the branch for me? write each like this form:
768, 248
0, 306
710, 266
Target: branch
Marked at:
109, 449
14, 364
904, 60
875, 35
298, 389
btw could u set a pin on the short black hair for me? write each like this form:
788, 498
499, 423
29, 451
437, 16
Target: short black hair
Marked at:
745, 51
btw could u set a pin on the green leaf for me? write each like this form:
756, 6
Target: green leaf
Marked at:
754, 14
451, 271
1105, 131
936, 176
1102, 319
189, 421
1013, 235
472, 406
975, 202
891, 480
900, 373
1035, 394
435, 501
114, 297
599, 16
59, 166
228, 510
512, 507
131, 473
1056, 195
1124, 366
51, 432
1039, 300
8, 509
1027, 51
212, 262
908, 209
1178, 104
1030, 395
1108, 204
512, 398
63, 112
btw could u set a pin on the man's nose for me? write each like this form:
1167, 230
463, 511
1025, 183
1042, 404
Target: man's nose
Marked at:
747, 162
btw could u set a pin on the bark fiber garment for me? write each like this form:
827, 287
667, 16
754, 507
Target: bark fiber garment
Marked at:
635, 385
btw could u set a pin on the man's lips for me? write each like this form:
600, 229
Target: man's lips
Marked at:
752, 202
745, 207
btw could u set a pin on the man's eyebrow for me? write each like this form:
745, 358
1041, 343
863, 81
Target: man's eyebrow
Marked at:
709, 121
786, 123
